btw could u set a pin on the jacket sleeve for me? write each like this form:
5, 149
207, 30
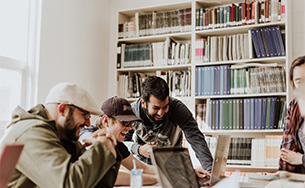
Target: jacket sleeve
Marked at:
189, 126
47, 163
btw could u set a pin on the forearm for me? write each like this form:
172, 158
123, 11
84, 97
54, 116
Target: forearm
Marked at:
124, 179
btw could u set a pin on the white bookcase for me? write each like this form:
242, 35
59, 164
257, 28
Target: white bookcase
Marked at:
191, 33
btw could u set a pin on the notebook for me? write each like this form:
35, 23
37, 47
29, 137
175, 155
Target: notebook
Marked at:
8, 160
173, 166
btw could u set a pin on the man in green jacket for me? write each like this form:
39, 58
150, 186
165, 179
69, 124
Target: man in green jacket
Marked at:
52, 156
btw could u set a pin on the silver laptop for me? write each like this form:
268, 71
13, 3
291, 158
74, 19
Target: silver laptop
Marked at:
174, 168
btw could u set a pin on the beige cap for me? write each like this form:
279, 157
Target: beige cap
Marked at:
73, 94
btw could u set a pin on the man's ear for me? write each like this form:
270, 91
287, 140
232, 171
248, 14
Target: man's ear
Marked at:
61, 109
105, 120
143, 103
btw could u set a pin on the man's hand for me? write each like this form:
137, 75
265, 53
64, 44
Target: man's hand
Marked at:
107, 139
201, 173
291, 157
144, 149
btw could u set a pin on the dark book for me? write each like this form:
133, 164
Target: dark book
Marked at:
216, 80
272, 112
277, 110
221, 113
270, 43
255, 44
252, 113
260, 43
280, 40
241, 114
264, 111
217, 114
265, 42
119, 55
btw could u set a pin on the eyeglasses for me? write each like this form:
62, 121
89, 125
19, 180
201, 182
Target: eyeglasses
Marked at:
127, 123
86, 114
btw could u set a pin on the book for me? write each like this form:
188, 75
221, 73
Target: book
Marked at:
255, 43
264, 42
280, 40
260, 43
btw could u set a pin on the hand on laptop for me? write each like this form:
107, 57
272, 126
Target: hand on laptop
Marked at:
144, 149
201, 173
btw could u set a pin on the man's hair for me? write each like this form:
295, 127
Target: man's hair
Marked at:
156, 86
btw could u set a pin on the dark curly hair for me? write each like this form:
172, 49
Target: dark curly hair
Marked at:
156, 86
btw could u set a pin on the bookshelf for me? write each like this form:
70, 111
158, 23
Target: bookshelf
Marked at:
141, 26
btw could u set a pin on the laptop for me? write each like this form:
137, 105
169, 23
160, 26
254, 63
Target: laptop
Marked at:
8, 160
174, 168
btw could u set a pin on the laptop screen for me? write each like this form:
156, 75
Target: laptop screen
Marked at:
174, 167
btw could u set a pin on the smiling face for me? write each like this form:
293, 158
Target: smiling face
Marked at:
118, 128
156, 110
75, 121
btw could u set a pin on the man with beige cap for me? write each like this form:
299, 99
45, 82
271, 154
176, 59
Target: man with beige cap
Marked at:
52, 156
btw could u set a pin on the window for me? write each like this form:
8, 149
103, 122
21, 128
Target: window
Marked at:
19, 36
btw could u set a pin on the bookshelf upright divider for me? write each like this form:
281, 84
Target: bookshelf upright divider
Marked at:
228, 61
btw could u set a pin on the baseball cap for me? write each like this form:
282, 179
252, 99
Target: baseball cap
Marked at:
119, 108
73, 94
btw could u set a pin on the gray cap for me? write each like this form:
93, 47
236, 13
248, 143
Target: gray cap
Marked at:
73, 94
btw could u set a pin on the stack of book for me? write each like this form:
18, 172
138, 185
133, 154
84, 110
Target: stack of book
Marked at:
222, 48
226, 79
245, 114
178, 82
155, 23
169, 52
268, 42
237, 14
258, 152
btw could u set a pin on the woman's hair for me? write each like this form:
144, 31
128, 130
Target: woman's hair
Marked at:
296, 63
295, 118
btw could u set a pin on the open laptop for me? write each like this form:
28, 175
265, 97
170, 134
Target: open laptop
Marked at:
8, 160
174, 168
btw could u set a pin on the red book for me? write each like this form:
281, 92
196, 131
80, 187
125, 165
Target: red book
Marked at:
232, 15
267, 9
252, 13
248, 14
243, 13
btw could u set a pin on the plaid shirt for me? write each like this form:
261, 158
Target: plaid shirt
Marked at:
292, 143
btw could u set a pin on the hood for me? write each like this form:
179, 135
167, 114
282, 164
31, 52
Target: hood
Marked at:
20, 114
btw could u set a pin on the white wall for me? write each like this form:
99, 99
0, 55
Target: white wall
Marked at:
298, 28
74, 46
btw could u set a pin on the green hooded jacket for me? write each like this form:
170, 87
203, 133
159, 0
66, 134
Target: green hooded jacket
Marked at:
45, 162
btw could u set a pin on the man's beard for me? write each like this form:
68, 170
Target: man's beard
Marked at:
71, 133
153, 118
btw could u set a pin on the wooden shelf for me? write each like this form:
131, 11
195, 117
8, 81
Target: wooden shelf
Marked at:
243, 168
241, 95
155, 68
244, 133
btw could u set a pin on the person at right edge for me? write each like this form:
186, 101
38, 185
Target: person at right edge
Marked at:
292, 158
164, 121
